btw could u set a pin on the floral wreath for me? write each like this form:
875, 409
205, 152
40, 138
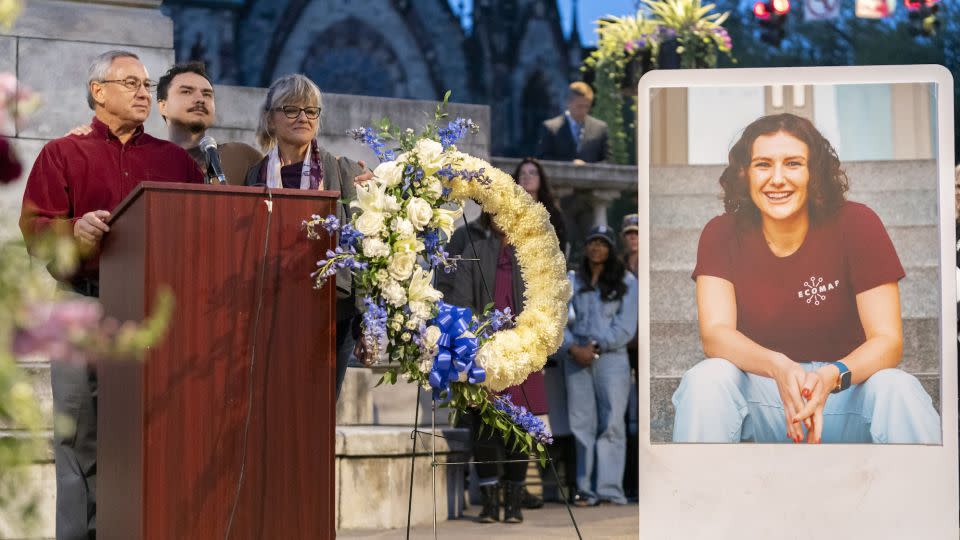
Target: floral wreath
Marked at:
393, 245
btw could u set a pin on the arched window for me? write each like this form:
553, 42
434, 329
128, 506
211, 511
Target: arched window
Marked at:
351, 57
535, 107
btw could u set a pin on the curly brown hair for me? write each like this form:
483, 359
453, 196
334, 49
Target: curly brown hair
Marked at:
828, 182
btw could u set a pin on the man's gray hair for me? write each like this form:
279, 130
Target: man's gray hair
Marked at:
99, 69
286, 90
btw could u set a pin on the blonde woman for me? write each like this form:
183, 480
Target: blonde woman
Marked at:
287, 133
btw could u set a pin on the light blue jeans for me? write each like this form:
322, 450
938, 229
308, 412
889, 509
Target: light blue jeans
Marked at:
597, 399
718, 403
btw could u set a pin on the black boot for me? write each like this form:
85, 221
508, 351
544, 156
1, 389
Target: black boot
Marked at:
529, 500
512, 501
490, 498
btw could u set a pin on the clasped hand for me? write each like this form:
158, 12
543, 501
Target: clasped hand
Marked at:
804, 394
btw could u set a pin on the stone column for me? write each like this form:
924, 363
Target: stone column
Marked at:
600, 200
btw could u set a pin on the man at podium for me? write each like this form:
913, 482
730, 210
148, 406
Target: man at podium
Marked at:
75, 182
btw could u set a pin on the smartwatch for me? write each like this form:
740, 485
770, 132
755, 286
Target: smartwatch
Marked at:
843, 382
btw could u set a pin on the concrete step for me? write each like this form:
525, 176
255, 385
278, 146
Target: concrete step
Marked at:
675, 347
662, 414
673, 295
372, 464
902, 208
863, 176
676, 249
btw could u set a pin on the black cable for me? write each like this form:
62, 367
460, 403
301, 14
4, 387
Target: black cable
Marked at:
253, 359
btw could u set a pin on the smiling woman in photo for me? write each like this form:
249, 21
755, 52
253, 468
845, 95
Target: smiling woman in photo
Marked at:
798, 305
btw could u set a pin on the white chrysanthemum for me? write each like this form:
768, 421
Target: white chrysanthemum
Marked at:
374, 247
396, 296
402, 227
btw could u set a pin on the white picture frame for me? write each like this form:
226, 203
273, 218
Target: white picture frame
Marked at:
746, 491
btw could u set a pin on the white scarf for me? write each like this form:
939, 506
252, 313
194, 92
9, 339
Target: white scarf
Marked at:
274, 180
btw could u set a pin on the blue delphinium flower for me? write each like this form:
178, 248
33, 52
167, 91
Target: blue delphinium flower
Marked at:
370, 138
501, 319
349, 236
330, 223
455, 131
527, 421
374, 319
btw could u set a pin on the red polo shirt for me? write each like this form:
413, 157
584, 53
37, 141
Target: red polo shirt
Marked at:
75, 174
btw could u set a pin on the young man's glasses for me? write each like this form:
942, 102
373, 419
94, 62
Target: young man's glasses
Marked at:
133, 84
293, 112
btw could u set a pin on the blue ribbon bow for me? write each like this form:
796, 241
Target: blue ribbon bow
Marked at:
457, 352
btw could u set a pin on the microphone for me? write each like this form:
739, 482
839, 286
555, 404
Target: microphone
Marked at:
209, 148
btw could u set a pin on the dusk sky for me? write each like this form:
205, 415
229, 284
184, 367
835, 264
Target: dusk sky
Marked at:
588, 12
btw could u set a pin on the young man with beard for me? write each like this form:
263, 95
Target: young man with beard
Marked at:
186, 101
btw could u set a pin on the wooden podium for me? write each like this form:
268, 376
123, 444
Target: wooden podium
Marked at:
171, 428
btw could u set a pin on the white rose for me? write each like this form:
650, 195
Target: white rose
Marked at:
412, 324
390, 173
402, 227
394, 294
382, 275
419, 212
370, 223
444, 220
401, 265
374, 247
419, 289
433, 187
431, 336
430, 154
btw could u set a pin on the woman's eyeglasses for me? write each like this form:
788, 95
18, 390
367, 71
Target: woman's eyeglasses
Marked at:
293, 112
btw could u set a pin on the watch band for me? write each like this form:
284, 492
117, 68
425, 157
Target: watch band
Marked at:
843, 378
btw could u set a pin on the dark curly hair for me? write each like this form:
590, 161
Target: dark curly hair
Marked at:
546, 197
610, 282
163, 85
828, 182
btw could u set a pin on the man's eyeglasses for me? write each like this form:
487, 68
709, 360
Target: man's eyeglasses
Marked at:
133, 84
293, 112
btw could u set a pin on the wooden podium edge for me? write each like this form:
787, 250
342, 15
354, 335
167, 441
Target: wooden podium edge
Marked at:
185, 186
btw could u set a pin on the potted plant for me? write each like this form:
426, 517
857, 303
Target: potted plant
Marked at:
691, 34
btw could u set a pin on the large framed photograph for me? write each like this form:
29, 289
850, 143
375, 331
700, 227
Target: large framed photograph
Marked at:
799, 265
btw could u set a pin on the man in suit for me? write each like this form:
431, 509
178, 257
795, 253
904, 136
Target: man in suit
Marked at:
578, 137
575, 135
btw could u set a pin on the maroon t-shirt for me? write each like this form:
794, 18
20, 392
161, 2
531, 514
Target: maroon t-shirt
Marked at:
802, 305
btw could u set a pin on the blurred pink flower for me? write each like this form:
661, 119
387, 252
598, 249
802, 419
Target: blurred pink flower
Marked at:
57, 329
